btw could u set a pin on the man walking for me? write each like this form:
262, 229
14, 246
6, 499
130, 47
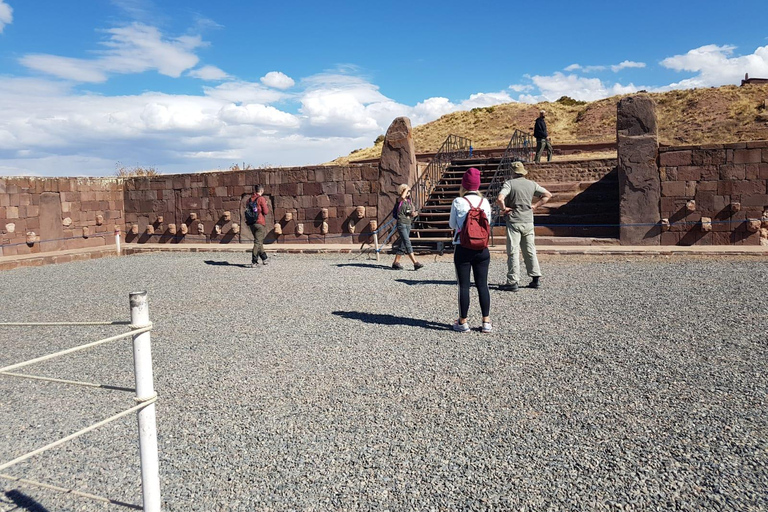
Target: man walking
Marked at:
542, 138
256, 210
515, 202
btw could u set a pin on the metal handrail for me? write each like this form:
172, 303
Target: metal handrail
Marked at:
453, 147
518, 150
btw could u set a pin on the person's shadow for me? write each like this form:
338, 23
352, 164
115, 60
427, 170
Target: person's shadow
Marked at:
414, 282
363, 265
226, 264
385, 319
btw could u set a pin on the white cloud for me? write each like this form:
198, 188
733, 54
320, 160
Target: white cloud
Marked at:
211, 73
715, 65
277, 80
77, 70
6, 15
131, 49
243, 92
627, 64
555, 86
258, 114
615, 67
521, 87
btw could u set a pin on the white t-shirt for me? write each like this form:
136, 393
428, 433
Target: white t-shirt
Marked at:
460, 208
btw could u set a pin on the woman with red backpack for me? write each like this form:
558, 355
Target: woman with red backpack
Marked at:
470, 214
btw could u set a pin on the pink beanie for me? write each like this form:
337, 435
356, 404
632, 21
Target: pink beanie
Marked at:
471, 179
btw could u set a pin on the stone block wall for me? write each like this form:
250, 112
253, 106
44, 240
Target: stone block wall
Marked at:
211, 205
576, 170
709, 194
58, 213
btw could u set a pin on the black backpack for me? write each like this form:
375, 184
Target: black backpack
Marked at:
251, 212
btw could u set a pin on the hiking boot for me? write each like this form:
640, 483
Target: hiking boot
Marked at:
487, 327
251, 265
264, 262
460, 327
535, 283
509, 287
397, 266
417, 266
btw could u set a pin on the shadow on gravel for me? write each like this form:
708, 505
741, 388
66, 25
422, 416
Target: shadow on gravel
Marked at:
414, 282
24, 502
225, 264
384, 319
363, 265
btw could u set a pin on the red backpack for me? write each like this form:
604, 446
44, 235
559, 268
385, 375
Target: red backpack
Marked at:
474, 234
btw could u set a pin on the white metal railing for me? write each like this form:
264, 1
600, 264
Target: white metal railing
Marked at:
145, 401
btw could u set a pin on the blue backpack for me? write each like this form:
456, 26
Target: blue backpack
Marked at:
251, 212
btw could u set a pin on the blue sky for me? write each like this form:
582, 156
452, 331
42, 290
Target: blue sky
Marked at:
200, 85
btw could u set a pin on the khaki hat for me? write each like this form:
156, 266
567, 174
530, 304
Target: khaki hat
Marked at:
518, 168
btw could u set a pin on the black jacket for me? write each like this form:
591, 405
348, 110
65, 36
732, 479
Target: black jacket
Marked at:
540, 129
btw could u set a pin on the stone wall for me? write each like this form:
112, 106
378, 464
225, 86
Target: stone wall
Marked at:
210, 205
63, 213
714, 194
576, 170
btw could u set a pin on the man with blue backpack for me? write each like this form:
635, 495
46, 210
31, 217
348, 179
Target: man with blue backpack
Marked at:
256, 211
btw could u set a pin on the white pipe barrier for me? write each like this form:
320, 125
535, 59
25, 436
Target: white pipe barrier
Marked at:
117, 241
145, 391
145, 398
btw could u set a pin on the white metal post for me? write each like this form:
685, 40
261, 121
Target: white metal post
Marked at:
145, 390
376, 244
117, 240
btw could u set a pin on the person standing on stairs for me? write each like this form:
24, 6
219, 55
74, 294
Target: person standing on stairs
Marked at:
404, 214
516, 204
467, 260
542, 138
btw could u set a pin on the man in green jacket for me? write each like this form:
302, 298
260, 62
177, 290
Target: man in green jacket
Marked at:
516, 204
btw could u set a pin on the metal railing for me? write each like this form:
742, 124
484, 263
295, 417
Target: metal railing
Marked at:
518, 150
453, 147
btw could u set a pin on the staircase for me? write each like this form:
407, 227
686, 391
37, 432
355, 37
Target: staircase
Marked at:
579, 213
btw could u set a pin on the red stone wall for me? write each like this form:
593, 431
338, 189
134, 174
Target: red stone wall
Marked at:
302, 192
575, 170
728, 184
56, 210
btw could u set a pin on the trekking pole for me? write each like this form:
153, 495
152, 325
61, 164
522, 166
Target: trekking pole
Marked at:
374, 227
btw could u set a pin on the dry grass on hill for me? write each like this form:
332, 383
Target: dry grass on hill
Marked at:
694, 116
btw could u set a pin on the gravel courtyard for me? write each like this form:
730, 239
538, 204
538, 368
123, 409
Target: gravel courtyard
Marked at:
330, 382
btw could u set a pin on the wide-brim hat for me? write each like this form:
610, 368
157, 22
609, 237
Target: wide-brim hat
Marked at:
519, 168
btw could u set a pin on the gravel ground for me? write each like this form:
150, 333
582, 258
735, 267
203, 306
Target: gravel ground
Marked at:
329, 382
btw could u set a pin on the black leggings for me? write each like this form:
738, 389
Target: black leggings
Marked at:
477, 261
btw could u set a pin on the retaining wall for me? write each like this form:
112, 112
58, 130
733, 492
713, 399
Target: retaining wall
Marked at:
64, 213
725, 185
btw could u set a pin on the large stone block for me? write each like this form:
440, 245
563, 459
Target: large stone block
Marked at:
636, 116
397, 164
747, 156
676, 158
639, 178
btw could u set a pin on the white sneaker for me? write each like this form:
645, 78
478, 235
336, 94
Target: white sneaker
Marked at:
487, 327
460, 327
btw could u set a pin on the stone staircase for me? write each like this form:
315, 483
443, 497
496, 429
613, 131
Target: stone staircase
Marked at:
579, 213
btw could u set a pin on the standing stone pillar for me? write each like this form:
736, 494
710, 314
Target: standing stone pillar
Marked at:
397, 164
639, 179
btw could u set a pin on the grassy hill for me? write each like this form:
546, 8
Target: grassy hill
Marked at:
694, 116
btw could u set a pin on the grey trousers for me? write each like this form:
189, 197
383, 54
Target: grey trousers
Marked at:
521, 236
259, 232
541, 145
